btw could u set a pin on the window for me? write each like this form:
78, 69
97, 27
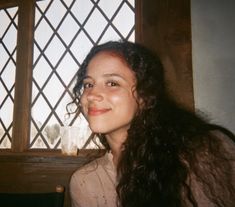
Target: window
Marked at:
53, 38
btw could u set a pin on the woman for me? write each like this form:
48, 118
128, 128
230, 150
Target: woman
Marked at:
158, 154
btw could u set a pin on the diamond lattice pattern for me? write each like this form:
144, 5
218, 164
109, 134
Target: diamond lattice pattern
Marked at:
65, 30
8, 34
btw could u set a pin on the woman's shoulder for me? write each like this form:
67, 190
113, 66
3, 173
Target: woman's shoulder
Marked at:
225, 140
218, 148
211, 175
89, 167
93, 166
86, 173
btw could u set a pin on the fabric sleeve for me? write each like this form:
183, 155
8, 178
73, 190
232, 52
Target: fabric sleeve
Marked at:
78, 192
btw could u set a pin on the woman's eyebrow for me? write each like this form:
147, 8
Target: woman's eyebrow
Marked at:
114, 75
87, 77
107, 75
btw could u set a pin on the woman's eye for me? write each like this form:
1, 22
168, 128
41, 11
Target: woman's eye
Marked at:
87, 85
112, 83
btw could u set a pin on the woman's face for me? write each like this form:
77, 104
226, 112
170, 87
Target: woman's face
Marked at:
108, 100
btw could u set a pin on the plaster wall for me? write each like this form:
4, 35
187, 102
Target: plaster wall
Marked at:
213, 52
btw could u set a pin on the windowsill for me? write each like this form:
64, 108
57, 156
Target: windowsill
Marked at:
49, 156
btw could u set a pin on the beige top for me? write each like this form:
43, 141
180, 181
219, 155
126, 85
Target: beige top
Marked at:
94, 184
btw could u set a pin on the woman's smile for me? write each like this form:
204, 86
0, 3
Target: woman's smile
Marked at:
92, 111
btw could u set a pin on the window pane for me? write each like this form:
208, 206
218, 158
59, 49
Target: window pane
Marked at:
8, 36
64, 33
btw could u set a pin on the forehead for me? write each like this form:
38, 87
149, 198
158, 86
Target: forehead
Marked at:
109, 62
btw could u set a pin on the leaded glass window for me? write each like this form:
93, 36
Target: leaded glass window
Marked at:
8, 37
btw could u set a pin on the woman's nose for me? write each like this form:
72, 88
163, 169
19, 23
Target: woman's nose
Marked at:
95, 94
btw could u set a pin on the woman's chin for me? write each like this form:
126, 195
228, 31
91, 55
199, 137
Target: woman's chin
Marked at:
97, 130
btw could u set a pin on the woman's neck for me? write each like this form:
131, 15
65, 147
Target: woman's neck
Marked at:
116, 146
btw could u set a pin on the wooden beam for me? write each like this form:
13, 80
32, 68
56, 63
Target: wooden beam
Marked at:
8, 3
23, 82
165, 27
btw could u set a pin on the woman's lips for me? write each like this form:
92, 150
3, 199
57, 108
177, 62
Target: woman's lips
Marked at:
96, 112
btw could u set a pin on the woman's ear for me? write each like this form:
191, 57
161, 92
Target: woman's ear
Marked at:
148, 103
141, 103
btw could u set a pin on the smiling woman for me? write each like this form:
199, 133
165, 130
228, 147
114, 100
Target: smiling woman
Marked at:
157, 152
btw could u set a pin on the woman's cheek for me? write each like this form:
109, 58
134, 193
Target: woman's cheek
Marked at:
116, 96
83, 105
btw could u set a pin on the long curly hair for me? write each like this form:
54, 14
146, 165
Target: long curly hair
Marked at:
164, 139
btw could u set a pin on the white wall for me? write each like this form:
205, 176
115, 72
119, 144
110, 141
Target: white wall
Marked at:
213, 41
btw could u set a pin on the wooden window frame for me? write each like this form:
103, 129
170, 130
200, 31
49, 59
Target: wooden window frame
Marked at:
23, 75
